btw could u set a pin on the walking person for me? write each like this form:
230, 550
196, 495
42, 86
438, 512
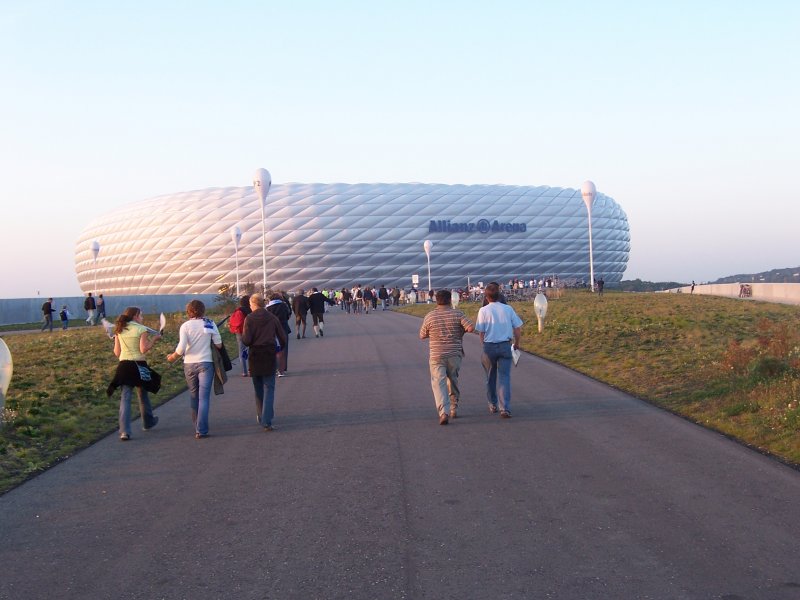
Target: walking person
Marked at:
282, 312
445, 327
132, 340
235, 325
300, 308
90, 306
194, 343
64, 315
47, 314
383, 294
316, 304
101, 308
500, 328
261, 331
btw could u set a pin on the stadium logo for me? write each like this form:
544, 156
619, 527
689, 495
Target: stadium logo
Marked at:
481, 226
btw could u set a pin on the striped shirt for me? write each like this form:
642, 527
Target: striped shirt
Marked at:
445, 326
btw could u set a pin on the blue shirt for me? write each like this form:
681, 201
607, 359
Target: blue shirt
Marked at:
497, 322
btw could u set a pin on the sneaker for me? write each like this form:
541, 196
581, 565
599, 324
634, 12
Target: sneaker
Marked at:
269, 428
443, 420
298, 336
453, 413
281, 374
493, 408
200, 436
124, 437
153, 424
322, 333
505, 414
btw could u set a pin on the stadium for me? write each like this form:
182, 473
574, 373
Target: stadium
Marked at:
336, 235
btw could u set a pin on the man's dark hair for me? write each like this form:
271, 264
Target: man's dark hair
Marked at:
443, 297
492, 292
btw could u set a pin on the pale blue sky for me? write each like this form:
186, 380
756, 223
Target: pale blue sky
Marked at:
686, 115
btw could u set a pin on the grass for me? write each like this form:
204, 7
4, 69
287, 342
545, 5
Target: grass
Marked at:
728, 364
57, 402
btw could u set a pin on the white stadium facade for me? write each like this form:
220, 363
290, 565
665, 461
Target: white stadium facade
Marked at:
337, 235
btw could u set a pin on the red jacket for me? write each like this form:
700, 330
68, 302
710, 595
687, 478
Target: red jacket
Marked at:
236, 322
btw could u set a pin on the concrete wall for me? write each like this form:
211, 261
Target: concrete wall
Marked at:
29, 310
783, 293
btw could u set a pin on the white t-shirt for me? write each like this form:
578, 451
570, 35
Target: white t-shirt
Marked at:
195, 340
497, 322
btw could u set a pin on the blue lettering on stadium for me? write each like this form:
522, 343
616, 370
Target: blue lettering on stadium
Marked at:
481, 226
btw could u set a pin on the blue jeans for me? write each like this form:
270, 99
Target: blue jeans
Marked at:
444, 382
199, 378
242, 353
145, 409
265, 403
48, 322
496, 361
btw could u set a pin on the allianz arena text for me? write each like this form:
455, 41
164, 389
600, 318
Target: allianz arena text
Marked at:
336, 235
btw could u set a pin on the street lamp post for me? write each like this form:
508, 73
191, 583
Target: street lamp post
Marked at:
588, 191
95, 252
427, 246
262, 181
236, 236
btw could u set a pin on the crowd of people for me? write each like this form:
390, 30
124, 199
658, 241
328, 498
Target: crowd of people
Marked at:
262, 329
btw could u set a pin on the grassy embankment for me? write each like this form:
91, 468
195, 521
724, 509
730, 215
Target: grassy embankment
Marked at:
728, 364
57, 402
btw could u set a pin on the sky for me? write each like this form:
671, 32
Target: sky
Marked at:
686, 113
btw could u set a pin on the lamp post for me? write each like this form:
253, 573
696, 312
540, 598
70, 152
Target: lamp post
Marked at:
236, 236
427, 246
6, 370
95, 252
588, 191
540, 308
262, 181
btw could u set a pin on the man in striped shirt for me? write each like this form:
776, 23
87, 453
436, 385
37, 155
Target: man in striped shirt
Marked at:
445, 326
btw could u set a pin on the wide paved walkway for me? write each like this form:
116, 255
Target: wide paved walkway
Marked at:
359, 493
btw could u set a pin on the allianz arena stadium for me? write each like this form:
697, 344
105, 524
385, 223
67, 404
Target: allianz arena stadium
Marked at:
337, 235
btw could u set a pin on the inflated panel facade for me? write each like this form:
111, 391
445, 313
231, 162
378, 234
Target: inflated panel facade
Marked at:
336, 235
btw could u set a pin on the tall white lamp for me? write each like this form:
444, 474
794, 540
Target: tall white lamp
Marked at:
6, 371
428, 245
540, 308
95, 252
262, 181
236, 237
588, 191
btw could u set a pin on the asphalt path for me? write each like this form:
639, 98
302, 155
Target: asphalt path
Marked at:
359, 493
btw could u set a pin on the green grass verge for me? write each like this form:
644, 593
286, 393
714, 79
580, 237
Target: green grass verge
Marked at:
728, 364
57, 402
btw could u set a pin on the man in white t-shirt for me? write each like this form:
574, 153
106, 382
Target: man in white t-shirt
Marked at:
500, 328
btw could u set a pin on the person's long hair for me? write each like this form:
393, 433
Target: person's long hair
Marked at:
126, 317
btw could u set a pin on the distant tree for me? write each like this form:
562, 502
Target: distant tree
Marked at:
227, 300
